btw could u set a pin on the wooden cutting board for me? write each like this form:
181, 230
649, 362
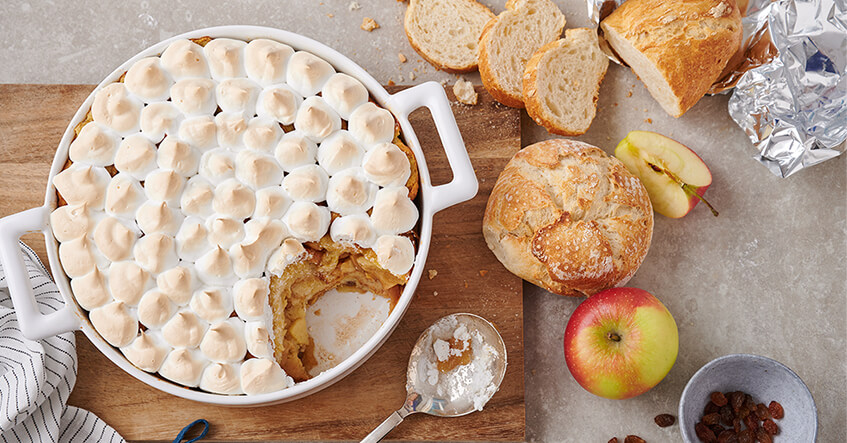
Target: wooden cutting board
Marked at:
469, 279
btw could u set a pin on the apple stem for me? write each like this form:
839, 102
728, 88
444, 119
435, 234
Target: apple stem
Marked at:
689, 190
613, 336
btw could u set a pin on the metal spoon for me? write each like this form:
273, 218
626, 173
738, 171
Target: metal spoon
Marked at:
422, 396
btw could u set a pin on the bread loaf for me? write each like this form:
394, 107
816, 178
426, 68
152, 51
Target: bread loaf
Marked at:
567, 217
561, 83
678, 48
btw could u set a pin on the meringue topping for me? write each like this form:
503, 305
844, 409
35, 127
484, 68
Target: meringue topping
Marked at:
225, 232
184, 58
344, 94
261, 375
248, 259
338, 152
395, 253
307, 221
199, 132
386, 165
178, 156
155, 252
164, 186
158, 216
71, 221
114, 108
197, 197
95, 145
230, 127
154, 309
393, 211
349, 192
79, 257
192, 240
212, 304
225, 58
294, 150
233, 199
316, 119
146, 352
128, 282
290, 252
271, 202
114, 239
221, 378
215, 268
224, 341
258, 339
262, 134
279, 103
306, 183
90, 290
177, 284
82, 184
158, 119
147, 79
307, 73
237, 95
250, 297
183, 366
370, 124
265, 60
194, 96
136, 156
184, 330
257, 170
114, 323
124, 196
266, 232
353, 229
217, 165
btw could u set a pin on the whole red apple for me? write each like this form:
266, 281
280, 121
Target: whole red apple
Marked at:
620, 342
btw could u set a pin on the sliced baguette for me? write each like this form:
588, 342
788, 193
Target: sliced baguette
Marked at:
446, 32
510, 39
677, 48
561, 83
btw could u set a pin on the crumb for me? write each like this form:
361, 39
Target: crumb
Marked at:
369, 24
391, 82
401, 78
432, 273
483, 272
645, 110
354, 6
434, 292
466, 284
330, 15
649, 120
412, 75
614, 104
629, 94
465, 92
401, 57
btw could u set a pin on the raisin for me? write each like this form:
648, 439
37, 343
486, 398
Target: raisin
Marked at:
770, 427
613, 440
718, 398
736, 425
746, 436
727, 415
704, 433
727, 436
763, 412
776, 410
737, 400
717, 429
751, 423
710, 408
748, 401
664, 420
711, 419
633, 439
763, 436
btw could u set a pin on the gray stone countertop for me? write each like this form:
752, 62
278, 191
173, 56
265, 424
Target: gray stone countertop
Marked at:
766, 277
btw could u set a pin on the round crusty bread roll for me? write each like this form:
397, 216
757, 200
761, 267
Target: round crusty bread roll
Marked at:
567, 217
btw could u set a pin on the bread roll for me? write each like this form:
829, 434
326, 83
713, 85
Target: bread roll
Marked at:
677, 48
565, 216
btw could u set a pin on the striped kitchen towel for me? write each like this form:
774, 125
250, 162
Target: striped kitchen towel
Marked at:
36, 377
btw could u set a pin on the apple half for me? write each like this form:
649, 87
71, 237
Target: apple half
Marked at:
675, 177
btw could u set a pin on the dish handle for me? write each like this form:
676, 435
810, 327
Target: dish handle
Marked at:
34, 325
464, 185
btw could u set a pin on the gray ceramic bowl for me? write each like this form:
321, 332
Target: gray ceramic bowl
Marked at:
766, 380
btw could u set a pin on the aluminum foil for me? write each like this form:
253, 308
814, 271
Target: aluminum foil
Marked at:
789, 79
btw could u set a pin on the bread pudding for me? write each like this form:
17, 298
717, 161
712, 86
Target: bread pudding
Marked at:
216, 191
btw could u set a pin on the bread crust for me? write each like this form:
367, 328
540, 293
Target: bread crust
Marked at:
566, 217
407, 19
669, 34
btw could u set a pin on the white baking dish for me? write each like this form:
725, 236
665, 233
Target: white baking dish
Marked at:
432, 199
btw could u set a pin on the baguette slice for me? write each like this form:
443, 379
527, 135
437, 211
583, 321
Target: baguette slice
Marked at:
446, 32
561, 83
677, 48
510, 39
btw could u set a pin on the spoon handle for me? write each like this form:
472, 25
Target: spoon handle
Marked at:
383, 429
